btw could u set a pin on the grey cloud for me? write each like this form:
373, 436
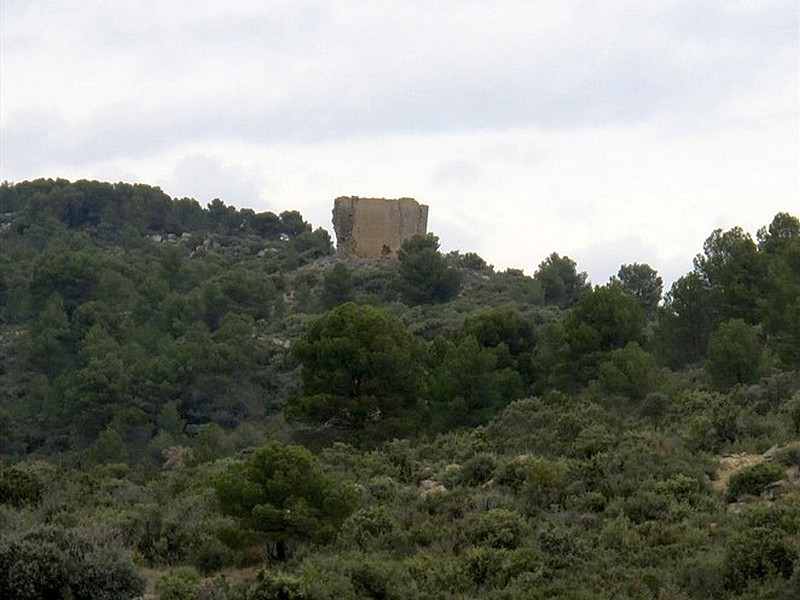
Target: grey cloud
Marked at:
603, 260
304, 72
768, 23
455, 238
456, 172
205, 178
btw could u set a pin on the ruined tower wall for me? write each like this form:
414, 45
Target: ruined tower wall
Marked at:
376, 227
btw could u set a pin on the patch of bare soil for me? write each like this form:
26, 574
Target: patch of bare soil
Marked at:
728, 465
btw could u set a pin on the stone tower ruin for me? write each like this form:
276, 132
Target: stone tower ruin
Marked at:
376, 227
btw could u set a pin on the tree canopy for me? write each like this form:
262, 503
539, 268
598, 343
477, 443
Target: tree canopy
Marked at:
359, 367
561, 281
425, 276
643, 283
282, 492
602, 320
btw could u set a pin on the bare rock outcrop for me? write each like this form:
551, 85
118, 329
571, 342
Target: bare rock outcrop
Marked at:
376, 227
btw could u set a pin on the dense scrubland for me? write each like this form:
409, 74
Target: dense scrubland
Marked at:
207, 403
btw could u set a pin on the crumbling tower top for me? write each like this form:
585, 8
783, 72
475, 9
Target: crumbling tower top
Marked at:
376, 227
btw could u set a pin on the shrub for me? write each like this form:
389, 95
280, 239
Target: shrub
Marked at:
178, 584
18, 488
793, 408
498, 528
486, 566
377, 578
367, 525
345, 576
702, 575
756, 554
478, 469
654, 407
277, 585
542, 482
751, 481
52, 562
789, 455
561, 545
209, 554
646, 505
736, 354
630, 372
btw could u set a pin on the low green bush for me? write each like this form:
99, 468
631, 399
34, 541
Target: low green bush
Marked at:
497, 528
751, 480
18, 488
53, 562
478, 469
789, 455
277, 585
757, 554
178, 584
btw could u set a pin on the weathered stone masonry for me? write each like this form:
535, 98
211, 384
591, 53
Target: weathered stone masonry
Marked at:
376, 227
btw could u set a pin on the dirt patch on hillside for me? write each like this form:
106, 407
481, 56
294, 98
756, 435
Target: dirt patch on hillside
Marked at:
728, 465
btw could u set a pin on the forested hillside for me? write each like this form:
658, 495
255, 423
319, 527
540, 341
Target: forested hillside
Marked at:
208, 403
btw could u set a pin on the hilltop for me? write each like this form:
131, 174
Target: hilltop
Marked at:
442, 429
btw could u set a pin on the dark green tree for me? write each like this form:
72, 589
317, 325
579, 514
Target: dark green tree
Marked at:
630, 371
511, 334
100, 387
282, 493
687, 320
223, 219
109, 447
736, 354
561, 281
359, 366
603, 320
292, 223
266, 224
337, 286
780, 306
735, 273
311, 245
503, 326
239, 290
51, 345
643, 283
73, 274
782, 231
475, 262
425, 276
466, 387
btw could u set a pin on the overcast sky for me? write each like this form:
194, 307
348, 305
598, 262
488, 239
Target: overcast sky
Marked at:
613, 132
